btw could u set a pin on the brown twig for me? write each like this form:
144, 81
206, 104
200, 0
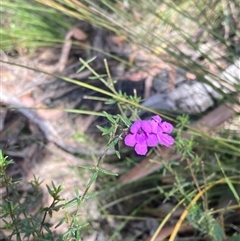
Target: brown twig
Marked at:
45, 126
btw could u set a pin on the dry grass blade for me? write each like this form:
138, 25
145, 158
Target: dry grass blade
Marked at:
184, 56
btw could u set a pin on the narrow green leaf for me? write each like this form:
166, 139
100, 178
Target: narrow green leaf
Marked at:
93, 179
102, 129
49, 190
83, 225
232, 188
71, 203
97, 77
217, 232
75, 221
59, 223
118, 154
54, 187
230, 185
85, 63
91, 59
47, 228
77, 235
113, 142
125, 121
110, 102
107, 172
116, 147
109, 117
105, 131
81, 68
90, 195
87, 167
76, 191
45, 209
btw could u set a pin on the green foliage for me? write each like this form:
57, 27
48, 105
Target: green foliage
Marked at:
165, 29
27, 24
234, 238
22, 225
205, 223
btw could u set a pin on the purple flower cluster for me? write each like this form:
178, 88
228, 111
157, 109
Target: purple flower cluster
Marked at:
143, 134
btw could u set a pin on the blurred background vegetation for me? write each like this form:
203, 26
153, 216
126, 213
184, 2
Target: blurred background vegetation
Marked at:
192, 197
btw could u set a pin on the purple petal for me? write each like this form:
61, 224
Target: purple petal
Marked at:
157, 118
146, 126
152, 140
165, 139
136, 126
141, 149
141, 137
130, 140
155, 127
166, 127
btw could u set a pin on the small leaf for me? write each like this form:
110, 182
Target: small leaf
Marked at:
113, 142
49, 190
97, 77
109, 117
93, 179
107, 172
59, 223
90, 195
77, 235
105, 131
216, 232
110, 102
91, 59
116, 147
50, 213
83, 225
235, 193
81, 68
118, 154
76, 191
45, 209
58, 207
86, 63
87, 167
126, 121
102, 129
71, 203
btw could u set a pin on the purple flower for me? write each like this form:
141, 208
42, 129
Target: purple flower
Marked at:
144, 134
141, 136
162, 129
